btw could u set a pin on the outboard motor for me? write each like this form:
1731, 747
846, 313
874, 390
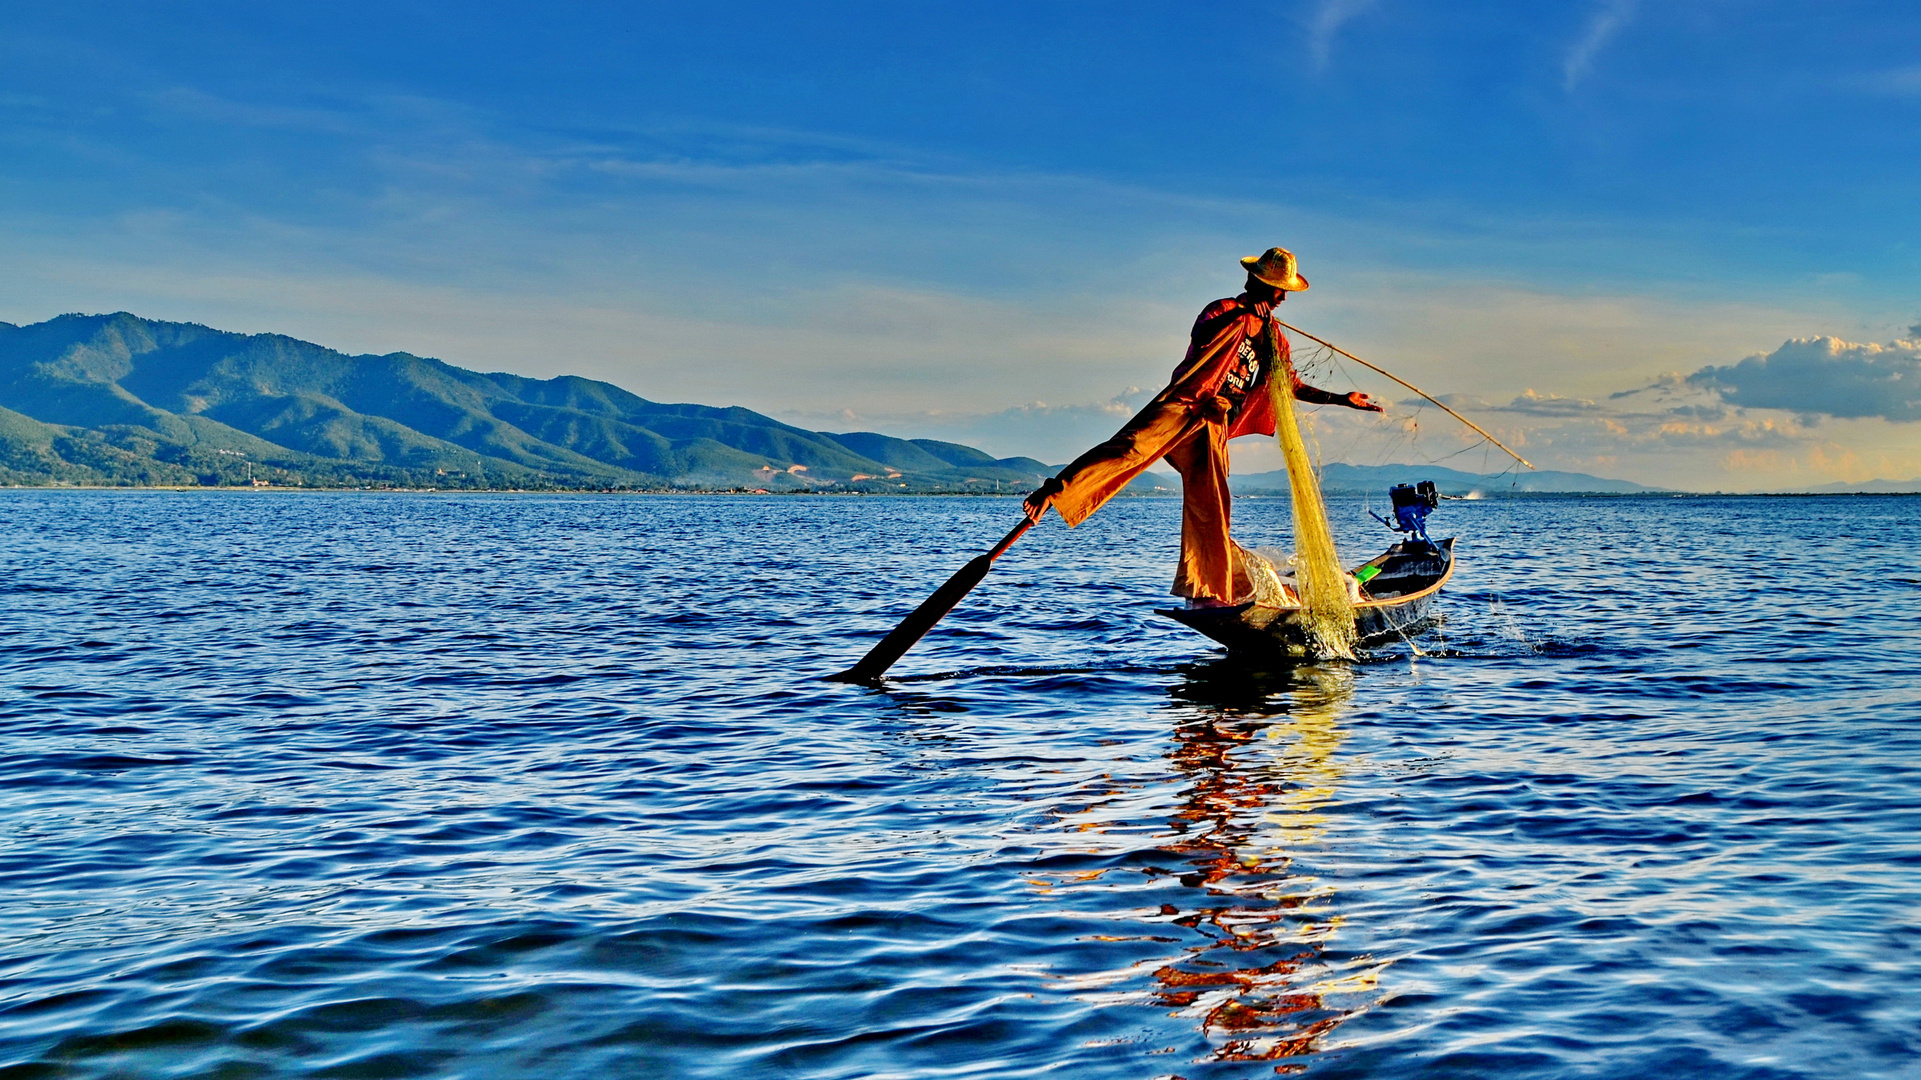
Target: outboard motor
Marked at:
1412, 504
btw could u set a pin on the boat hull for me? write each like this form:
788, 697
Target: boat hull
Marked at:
1418, 571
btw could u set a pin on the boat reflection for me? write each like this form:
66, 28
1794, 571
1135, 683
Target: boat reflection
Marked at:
1259, 756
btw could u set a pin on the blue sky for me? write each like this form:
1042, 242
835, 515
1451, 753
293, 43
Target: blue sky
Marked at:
993, 222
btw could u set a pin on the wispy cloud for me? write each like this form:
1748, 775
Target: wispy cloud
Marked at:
1606, 22
1050, 432
1815, 411
621, 253
1898, 82
1327, 20
1532, 403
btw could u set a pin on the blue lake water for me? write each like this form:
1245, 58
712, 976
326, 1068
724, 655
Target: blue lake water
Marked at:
385, 785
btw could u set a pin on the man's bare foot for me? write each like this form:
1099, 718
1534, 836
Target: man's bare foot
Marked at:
1035, 505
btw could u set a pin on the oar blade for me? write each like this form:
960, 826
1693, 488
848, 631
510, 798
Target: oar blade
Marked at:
915, 626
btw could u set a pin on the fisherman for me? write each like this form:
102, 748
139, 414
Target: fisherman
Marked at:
1219, 392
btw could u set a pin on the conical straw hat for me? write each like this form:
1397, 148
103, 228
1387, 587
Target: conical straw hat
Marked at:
1277, 268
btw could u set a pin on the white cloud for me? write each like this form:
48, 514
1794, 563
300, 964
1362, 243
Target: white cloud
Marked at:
1327, 20
1741, 427
1531, 403
1815, 411
1053, 433
1602, 27
1825, 375
1897, 82
1450, 333
890, 352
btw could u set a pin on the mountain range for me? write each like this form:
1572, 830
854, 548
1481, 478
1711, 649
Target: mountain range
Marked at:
121, 400
117, 399
1866, 487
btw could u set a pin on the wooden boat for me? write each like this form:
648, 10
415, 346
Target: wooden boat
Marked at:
1394, 601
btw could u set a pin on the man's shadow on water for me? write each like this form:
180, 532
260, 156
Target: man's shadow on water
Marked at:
1244, 686
1230, 684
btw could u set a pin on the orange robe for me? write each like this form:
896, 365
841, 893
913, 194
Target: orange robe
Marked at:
1180, 425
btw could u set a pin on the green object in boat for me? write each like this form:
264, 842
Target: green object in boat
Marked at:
1366, 574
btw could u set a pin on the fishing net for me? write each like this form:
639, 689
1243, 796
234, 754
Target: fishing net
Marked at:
1327, 611
1404, 443
1270, 574
1270, 584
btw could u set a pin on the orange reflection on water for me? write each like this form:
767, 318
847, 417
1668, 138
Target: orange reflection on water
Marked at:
1260, 982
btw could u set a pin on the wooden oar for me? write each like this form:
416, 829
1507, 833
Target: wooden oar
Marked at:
915, 626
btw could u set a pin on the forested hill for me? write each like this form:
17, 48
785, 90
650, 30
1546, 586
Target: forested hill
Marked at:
117, 399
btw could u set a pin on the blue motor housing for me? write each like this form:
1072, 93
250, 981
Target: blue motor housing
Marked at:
1412, 504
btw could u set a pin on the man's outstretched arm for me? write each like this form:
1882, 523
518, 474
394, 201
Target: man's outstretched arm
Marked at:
1316, 396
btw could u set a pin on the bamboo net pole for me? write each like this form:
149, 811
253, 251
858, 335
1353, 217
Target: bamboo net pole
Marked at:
1430, 397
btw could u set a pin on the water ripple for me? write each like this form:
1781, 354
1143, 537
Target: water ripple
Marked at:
475, 786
